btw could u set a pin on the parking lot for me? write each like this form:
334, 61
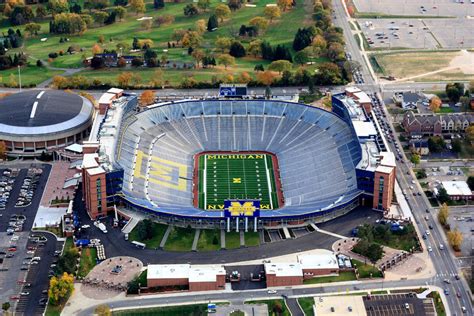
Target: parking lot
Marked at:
397, 304
19, 273
398, 33
453, 8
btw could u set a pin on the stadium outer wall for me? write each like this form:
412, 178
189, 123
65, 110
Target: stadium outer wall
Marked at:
276, 172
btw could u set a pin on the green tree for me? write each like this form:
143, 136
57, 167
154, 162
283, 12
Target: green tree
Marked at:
137, 5
272, 12
58, 6
415, 159
280, 66
454, 91
60, 289
470, 182
443, 196
374, 252
120, 12
103, 310
443, 214
212, 23
237, 49
6, 306
204, 4
100, 17
222, 12
226, 60
41, 11
190, 10
223, 43
32, 28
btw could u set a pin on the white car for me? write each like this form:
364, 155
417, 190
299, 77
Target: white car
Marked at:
427, 233
271, 292
85, 226
14, 238
430, 249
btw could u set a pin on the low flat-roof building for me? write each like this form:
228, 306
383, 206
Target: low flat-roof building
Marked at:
283, 274
195, 278
457, 190
324, 263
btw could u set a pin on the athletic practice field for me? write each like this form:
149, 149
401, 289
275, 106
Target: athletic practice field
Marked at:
246, 176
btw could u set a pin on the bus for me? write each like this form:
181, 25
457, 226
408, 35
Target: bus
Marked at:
139, 244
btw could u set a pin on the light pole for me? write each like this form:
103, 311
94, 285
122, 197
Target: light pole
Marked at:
19, 76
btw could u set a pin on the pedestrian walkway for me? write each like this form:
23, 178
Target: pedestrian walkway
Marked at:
242, 239
329, 233
248, 309
294, 307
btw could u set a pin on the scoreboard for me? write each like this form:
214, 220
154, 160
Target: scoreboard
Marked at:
233, 90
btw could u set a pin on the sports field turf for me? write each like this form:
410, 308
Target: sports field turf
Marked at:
248, 176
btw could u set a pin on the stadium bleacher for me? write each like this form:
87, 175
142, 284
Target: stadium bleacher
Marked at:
317, 152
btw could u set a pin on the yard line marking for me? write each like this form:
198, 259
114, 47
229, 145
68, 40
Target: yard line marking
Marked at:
245, 179
205, 182
269, 184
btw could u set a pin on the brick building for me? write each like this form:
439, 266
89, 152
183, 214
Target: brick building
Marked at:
194, 277
324, 263
436, 124
283, 274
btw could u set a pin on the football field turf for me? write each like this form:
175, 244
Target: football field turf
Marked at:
236, 176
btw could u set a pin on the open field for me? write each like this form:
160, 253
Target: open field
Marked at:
30, 75
88, 261
402, 65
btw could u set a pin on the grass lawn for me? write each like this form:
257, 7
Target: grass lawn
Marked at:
272, 306
401, 65
68, 244
281, 31
306, 304
55, 230
232, 240
158, 233
404, 241
88, 261
343, 276
30, 76
365, 270
440, 311
446, 110
180, 239
209, 239
142, 278
252, 239
237, 313
53, 310
182, 310
379, 292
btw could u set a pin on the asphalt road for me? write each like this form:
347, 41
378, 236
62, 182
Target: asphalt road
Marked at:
37, 275
443, 260
116, 245
239, 296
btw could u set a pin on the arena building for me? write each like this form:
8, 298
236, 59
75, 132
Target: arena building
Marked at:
237, 164
36, 122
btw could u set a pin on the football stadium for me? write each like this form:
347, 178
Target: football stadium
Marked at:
223, 162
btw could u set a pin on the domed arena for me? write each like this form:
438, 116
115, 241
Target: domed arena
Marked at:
189, 159
35, 122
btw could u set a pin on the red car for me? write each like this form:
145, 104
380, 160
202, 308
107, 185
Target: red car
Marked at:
12, 249
14, 298
21, 282
31, 248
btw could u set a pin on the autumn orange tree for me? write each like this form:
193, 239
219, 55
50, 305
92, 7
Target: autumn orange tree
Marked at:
285, 4
124, 79
266, 77
3, 150
455, 239
435, 104
147, 97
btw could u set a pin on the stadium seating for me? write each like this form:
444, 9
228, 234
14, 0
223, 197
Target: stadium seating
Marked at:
317, 152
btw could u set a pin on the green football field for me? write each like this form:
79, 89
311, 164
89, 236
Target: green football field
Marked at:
236, 176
